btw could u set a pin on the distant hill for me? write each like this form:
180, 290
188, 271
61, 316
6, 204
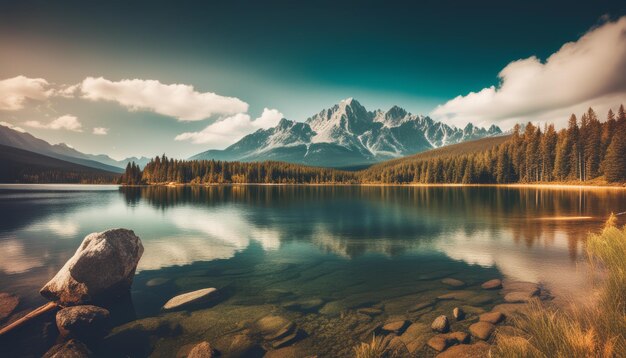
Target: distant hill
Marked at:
28, 142
347, 135
21, 166
454, 150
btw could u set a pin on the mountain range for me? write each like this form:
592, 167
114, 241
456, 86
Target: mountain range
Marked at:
25, 141
348, 135
344, 136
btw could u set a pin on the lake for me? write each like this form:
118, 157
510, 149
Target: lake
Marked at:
314, 255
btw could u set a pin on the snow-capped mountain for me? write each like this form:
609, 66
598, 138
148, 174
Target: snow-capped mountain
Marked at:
347, 134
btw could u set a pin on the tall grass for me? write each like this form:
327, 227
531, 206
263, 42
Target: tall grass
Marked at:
593, 330
377, 348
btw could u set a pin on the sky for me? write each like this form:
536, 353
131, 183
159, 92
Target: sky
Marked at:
152, 77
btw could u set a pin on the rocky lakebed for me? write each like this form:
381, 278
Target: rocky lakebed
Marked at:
265, 311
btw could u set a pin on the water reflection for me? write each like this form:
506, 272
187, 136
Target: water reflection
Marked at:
484, 226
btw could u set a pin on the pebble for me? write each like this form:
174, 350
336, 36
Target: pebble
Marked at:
494, 284
440, 324
458, 313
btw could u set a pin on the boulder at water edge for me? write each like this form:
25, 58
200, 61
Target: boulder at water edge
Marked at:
103, 266
83, 322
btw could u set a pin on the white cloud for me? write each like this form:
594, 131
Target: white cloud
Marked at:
67, 122
15, 91
11, 126
587, 72
228, 130
68, 91
269, 118
100, 131
174, 100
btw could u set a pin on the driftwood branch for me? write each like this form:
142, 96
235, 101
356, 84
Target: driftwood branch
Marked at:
33, 314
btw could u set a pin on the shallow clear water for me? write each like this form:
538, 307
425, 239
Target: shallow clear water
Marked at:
267, 247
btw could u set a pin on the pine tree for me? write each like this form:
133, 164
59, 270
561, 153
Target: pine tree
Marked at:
592, 145
615, 161
573, 140
548, 150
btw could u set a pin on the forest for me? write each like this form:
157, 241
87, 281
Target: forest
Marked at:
587, 150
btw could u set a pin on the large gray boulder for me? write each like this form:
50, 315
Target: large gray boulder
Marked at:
103, 266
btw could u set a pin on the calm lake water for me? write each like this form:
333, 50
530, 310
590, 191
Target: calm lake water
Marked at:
308, 253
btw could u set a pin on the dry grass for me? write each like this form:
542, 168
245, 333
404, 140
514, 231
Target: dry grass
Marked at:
377, 348
594, 330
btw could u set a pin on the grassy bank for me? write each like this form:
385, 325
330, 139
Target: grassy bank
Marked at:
597, 329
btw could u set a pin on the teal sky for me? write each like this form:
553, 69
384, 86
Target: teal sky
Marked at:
291, 56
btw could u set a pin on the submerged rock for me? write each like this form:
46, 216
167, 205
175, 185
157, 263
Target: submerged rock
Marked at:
8, 303
238, 345
370, 311
83, 322
440, 324
396, 327
422, 305
482, 330
510, 308
520, 296
414, 337
441, 342
193, 298
286, 352
310, 305
69, 349
158, 281
269, 326
494, 284
277, 331
453, 282
334, 308
520, 292
202, 350
478, 349
104, 265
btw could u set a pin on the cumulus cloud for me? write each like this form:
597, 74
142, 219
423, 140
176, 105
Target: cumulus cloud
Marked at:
588, 72
67, 122
11, 126
175, 100
100, 131
230, 129
68, 91
15, 91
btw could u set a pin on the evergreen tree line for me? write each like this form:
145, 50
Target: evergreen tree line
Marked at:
132, 175
587, 149
167, 170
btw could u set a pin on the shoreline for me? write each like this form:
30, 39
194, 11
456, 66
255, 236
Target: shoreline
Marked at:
520, 185
620, 186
